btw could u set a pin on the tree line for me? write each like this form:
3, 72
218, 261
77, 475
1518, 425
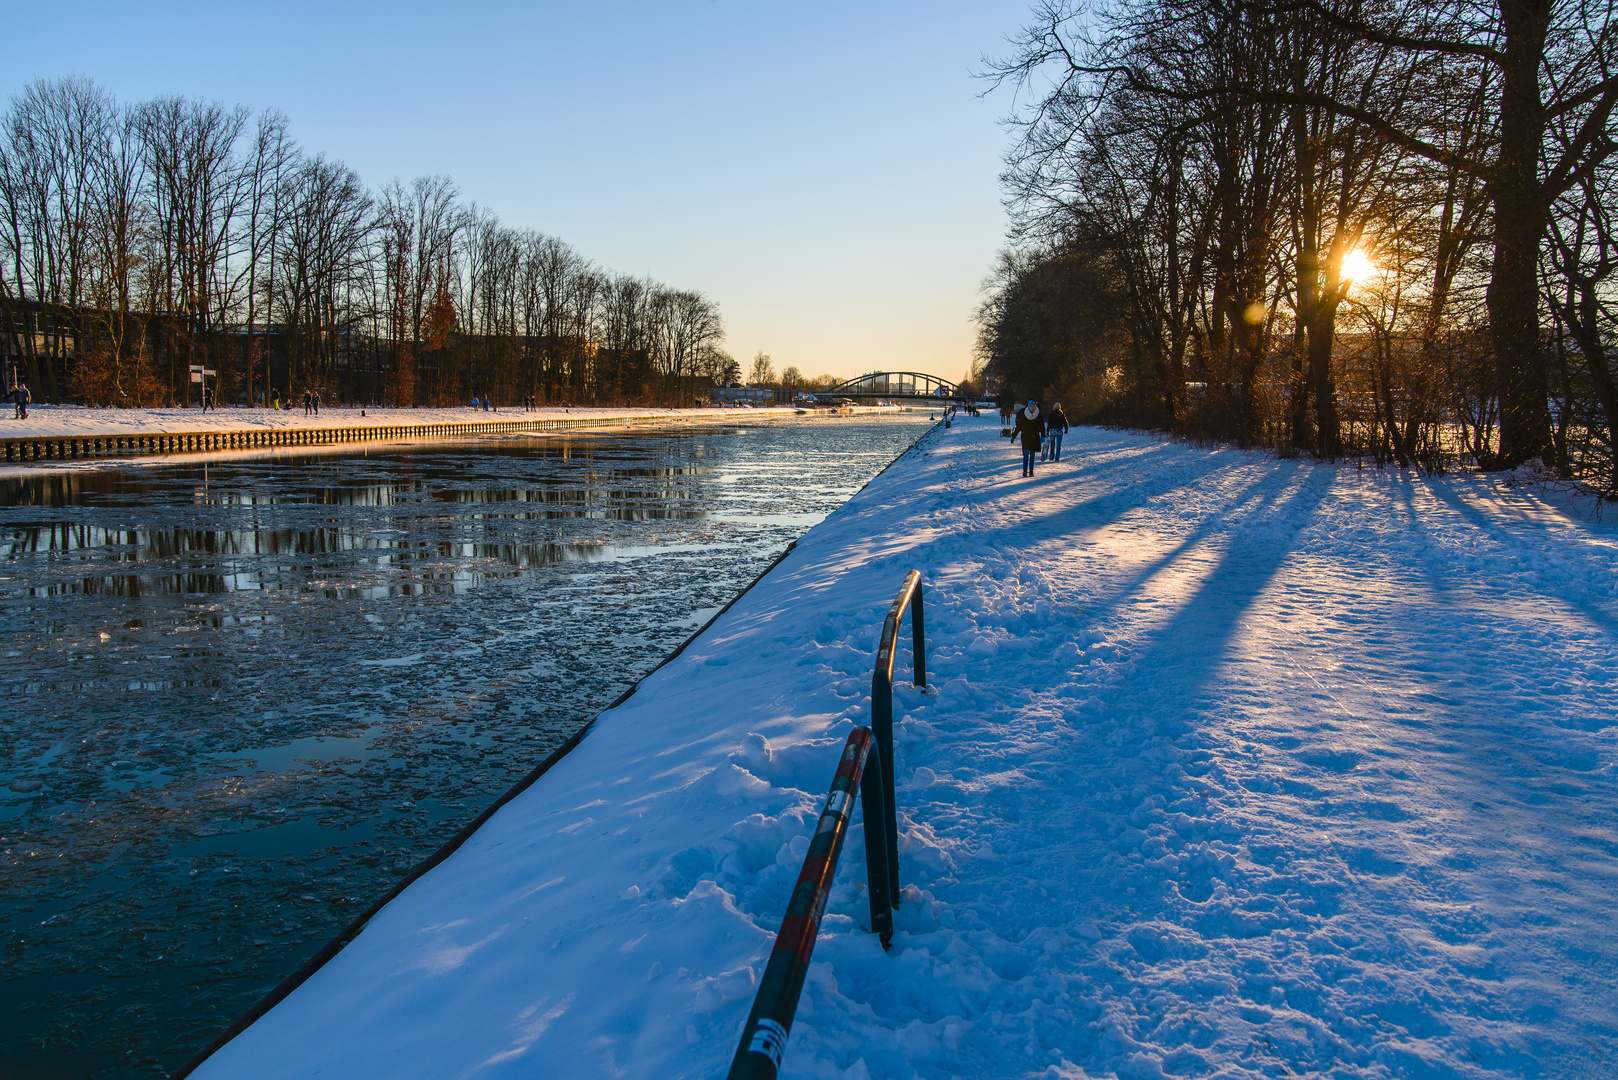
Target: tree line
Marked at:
1366, 227
137, 240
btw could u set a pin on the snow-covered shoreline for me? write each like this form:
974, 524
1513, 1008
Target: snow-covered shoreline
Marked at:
72, 421
1236, 767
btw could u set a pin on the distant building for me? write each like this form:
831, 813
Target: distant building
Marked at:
750, 395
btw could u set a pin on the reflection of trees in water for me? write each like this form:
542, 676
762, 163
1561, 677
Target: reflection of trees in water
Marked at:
261, 503
245, 559
440, 567
563, 472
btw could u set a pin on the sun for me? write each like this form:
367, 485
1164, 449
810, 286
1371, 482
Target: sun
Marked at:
1357, 265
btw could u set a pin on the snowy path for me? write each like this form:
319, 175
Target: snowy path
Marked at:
1237, 768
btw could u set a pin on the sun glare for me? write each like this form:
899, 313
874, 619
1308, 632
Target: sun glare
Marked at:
1357, 265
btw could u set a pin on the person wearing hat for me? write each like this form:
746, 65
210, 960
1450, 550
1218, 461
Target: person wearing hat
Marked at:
1031, 427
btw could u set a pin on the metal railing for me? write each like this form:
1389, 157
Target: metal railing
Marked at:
764, 1038
887, 652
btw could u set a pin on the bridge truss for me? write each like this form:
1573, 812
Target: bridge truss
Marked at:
895, 384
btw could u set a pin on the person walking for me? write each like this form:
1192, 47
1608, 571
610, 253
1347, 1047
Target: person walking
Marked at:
1055, 427
317, 402
21, 397
1031, 427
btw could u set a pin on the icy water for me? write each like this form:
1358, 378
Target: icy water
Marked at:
243, 695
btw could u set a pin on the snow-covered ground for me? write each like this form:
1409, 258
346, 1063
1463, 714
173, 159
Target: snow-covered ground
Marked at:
52, 421
1236, 767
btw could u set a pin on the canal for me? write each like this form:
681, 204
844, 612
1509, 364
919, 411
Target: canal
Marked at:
243, 694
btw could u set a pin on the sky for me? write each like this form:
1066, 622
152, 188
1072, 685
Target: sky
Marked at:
827, 172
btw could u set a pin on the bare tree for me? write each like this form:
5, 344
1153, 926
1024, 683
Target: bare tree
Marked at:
1551, 66
195, 196
328, 224
118, 225
54, 134
136, 241
264, 173
762, 371
1223, 158
419, 226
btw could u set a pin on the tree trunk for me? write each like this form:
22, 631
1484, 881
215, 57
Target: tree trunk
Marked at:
1520, 221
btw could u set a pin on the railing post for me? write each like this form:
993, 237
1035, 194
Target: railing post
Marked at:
918, 636
882, 705
882, 728
874, 803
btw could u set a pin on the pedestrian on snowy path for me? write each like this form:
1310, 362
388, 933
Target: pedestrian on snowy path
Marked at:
1031, 426
1056, 424
21, 397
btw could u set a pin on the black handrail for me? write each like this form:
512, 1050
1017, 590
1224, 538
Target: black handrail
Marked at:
764, 1038
882, 704
758, 1057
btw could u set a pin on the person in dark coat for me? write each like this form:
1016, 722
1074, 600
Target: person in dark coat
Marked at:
1031, 427
1056, 426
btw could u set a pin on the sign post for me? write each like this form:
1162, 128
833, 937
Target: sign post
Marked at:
200, 374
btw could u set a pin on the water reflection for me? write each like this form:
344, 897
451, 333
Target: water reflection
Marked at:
248, 559
248, 536
240, 697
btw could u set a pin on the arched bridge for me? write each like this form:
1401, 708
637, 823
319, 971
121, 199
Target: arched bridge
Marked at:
894, 384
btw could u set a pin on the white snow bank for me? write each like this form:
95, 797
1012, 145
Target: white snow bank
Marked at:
1236, 767
52, 421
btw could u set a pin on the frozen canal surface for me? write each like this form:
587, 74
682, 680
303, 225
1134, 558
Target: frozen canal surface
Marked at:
242, 696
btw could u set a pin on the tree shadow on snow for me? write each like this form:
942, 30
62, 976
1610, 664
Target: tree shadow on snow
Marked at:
1501, 532
1093, 513
1198, 636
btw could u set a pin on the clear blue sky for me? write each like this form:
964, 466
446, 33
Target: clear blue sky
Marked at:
826, 172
